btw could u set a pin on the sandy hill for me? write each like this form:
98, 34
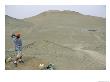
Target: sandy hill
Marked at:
67, 39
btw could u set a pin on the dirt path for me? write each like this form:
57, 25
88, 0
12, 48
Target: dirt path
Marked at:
100, 58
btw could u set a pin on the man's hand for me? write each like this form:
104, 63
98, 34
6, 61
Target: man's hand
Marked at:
13, 35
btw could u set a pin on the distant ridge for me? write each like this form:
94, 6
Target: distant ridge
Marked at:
58, 12
7, 16
66, 12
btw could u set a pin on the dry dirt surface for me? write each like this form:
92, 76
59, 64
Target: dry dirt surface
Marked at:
67, 39
31, 63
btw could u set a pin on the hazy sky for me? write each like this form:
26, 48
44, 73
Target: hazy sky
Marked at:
24, 11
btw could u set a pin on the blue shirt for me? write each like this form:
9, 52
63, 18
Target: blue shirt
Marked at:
18, 44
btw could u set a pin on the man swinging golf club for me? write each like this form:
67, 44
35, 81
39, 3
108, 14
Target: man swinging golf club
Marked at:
18, 48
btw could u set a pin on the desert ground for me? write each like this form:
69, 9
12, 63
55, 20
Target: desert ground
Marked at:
67, 39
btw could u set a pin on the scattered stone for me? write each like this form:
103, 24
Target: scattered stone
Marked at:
92, 30
10, 59
48, 67
41, 66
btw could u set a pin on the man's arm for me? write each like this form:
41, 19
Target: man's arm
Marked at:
13, 37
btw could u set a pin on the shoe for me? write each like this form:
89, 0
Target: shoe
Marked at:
21, 61
15, 64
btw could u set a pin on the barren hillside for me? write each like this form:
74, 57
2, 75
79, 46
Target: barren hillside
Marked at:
67, 39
